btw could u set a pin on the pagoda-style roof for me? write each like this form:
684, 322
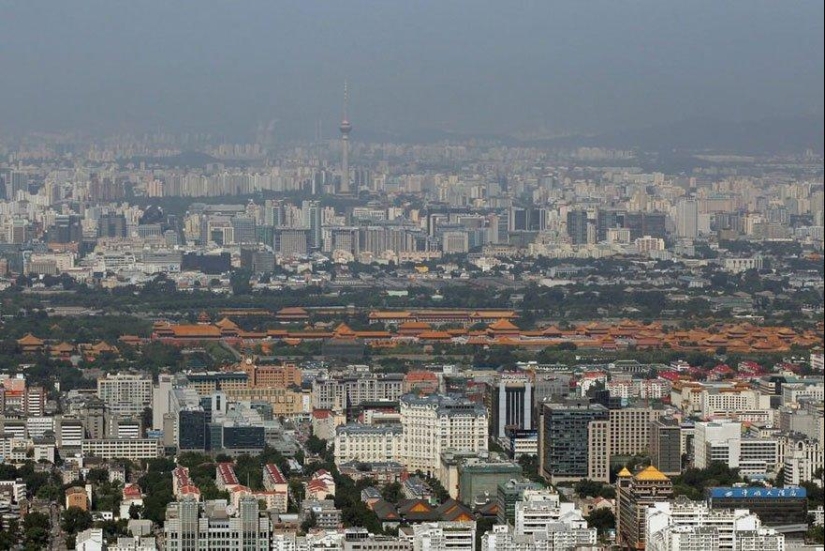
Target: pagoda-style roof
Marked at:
29, 340
503, 326
101, 347
62, 348
226, 323
650, 474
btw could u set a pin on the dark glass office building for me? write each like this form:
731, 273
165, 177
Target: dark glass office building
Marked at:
192, 433
564, 436
666, 445
243, 438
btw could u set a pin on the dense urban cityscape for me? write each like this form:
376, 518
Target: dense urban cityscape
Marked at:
355, 344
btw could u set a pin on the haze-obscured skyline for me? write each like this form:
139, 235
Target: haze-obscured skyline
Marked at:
471, 67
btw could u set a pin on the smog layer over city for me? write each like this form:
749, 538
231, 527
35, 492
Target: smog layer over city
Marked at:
412, 276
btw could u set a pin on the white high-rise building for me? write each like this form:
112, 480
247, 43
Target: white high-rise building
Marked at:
542, 523
436, 423
803, 458
685, 525
125, 393
444, 536
722, 441
687, 218
717, 441
160, 399
429, 425
216, 525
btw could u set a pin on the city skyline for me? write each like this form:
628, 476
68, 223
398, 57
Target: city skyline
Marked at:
383, 276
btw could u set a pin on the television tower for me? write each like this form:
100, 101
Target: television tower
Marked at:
345, 129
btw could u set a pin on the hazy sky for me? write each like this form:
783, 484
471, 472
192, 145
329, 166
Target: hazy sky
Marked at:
466, 66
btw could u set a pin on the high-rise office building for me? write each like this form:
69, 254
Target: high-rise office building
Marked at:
125, 393
161, 399
66, 229
666, 445
216, 525
13, 182
243, 229
291, 242
527, 219
193, 430
574, 440
641, 224
511, 402
312, 220
186, 424
273, 213
630, 430
111, 225
577, 226
606, 219
93, 414
717, 441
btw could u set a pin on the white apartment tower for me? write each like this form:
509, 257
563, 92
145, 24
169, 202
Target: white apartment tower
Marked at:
687, 218
125, 394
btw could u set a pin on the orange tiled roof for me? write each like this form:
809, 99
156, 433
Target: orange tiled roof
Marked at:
195, 331
226, 323
292, 311
29, 340
344, 330
373, 334
388, 315
101, 348
434, 335
503, 325
62, 348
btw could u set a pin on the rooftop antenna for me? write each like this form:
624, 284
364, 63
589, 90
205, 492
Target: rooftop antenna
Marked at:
346, 100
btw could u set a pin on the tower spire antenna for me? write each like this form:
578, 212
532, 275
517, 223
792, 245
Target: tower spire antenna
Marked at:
346, 100
345, 128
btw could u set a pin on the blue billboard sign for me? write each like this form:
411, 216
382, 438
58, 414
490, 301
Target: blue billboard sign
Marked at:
758, 492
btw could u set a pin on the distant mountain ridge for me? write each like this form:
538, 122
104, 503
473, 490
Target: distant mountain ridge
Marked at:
767, 136
775, 135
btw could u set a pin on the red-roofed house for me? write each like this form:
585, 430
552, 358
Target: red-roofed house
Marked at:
275, 482
321, 485
225, 478
131, 496
180, 478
